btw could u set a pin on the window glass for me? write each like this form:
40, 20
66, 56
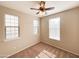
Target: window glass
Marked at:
54, 28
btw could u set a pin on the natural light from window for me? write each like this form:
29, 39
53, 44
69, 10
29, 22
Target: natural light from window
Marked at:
45, 54
35, 26
11, 27
54, 28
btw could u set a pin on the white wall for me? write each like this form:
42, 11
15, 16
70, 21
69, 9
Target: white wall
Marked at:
27, 37
69, 31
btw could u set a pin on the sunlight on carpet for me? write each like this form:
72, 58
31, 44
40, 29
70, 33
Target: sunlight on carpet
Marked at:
45, 54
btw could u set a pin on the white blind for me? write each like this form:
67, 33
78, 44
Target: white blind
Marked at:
11, 26
54, 28
35, 26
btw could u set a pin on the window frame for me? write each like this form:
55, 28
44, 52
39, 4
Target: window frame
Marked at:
35, 27
55, 38
7, 39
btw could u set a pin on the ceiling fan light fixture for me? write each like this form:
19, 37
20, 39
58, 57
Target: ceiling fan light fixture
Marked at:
41, 14
42, 9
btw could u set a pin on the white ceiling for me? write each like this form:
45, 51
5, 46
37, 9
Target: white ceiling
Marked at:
24, 6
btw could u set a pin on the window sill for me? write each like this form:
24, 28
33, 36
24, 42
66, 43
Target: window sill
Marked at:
54, 39
11, 39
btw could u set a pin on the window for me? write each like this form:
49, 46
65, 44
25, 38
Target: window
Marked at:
11, 26
35, 26
54, 28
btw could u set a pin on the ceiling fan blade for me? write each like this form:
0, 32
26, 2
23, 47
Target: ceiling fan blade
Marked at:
34, 9
49, 8
37, 13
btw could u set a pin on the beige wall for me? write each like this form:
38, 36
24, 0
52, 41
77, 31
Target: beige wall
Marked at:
27, 37
69, 30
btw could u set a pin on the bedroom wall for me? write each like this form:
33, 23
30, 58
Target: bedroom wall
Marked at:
27, 37
69, 30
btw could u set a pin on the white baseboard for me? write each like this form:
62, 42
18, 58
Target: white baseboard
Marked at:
21, 49
61, 48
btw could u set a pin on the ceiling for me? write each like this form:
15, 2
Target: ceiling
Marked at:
24, 6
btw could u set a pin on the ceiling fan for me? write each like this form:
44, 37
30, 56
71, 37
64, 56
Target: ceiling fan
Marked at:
42, 8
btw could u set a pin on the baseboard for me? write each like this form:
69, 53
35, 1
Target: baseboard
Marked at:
61, 49
22, 49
